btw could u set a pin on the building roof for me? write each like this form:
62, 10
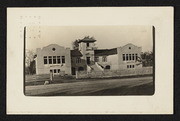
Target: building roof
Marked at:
75, 53
105, 52
87, 40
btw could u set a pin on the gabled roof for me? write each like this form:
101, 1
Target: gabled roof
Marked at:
75, 53
105, 52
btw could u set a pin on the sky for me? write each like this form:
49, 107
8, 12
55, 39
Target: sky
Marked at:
107, 36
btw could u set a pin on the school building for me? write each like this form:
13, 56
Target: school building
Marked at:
87, 57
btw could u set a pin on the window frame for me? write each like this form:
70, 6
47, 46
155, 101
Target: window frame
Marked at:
58, 59
45, 59
130, 57
133, 57
55, 71
50, 59
63, 59
104, 58
124, 57
136, 56
54, 59
127, 57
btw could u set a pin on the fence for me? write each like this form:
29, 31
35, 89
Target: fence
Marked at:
114, 73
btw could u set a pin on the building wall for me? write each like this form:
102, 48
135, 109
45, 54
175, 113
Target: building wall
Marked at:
128, 49
42, 68
112, 61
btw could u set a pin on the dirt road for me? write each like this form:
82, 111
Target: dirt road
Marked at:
127, 86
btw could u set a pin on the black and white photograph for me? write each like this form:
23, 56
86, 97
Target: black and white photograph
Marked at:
89, 60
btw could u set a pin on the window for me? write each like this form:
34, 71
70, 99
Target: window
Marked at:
136, 56
54, 70
104, 59
58, 70
96, 59
63, 59
108, 67
50, 59
45, 59
129, 56
124, 57
54, 59
78, 60
129, 47
58, 60
53, 49
87, 44
132, 66
132, 56
127, 66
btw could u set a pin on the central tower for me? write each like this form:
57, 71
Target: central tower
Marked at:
86, 47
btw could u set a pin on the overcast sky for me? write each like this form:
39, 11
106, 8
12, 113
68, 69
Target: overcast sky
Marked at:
107, 36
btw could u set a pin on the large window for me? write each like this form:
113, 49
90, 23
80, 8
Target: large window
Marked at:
54, 59
136, 56
124, 58
104, 59
45, 59
129, 56
58, 70
132, 56
58, 60
50, 59
63, 59
54, 70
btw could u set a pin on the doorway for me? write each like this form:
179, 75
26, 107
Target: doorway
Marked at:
88, 60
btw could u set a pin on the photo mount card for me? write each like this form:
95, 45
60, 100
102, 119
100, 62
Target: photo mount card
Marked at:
122, 73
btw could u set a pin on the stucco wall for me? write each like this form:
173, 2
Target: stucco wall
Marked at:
42, 68
125, 50
112, 61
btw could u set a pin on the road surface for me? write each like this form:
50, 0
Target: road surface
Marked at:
126, 86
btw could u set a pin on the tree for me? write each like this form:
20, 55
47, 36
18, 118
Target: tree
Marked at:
76, 45
29, 62
147, 58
